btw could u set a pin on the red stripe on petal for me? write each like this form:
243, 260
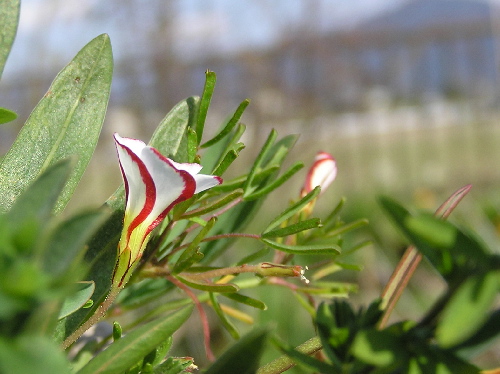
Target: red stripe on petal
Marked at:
150, 197
187, 193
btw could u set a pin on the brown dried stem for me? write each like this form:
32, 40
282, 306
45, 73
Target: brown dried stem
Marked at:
410, 260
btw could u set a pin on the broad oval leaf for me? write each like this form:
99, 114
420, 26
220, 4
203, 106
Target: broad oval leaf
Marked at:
127, 351
379, 348
67, 121
39, 199
66, 242
467, 309
79, 298
9, 20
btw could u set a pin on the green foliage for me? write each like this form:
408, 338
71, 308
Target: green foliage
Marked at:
463, 317
7, 115
33, 284
66, 122
9, 19
124, 353
244, 355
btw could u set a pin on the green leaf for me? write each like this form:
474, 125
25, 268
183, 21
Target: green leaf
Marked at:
229, 125
209, 286
173, 365
344, 228
485, 333
247, 300
208, 90
192, 146
127, 351
454, 258
218, 152
305, 361
330, 289
213, 205
168, 136
331, 220
225, 322
68, 239
379, 348
243, 355
293, 229
276, 183
31, 354
79, 298
191, 254
101, 255
467, 309
293, 209
433, 359
306, 249
9, 20
283, 363
228, 159
248, 186
39, 199
261, 176
437, 233
141, 292
67, 121
7, 115
157, 356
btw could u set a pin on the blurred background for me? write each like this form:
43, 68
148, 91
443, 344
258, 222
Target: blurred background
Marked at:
404, 93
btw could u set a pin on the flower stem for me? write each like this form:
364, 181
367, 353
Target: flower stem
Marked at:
203, 316
223, 271
99, 313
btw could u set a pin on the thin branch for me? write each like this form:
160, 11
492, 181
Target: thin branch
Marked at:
410, 260
203, 316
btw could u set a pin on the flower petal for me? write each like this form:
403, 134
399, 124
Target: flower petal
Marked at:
204, 182
322, 173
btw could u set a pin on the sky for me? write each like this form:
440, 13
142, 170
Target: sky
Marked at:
52, 31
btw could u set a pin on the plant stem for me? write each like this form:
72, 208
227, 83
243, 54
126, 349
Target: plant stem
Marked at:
203, 316
99, 313
223, 271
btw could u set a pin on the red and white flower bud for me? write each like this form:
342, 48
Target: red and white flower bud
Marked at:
322, 173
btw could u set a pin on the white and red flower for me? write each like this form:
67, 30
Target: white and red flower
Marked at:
321, 173
153, 185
